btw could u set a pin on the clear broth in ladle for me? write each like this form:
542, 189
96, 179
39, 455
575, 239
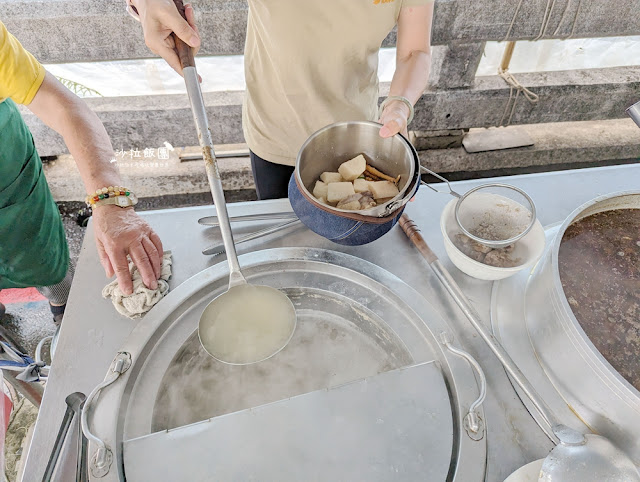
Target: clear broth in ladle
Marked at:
247, 324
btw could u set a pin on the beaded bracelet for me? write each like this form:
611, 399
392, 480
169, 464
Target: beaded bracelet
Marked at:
118, 195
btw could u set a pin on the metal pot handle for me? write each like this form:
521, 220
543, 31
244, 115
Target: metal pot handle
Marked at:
473, 423
102, 459
424, 170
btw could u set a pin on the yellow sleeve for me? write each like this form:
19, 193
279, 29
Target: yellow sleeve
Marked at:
20, 73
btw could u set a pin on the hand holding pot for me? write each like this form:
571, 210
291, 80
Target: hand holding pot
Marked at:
394, 119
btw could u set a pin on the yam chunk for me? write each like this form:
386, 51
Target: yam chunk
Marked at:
328, 177
322, 200
337, 191
360, 185
352, 169
383, 189
320, 189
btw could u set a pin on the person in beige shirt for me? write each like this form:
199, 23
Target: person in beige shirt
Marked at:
309, 64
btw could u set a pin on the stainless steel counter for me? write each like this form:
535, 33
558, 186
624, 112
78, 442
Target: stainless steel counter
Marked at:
92, 330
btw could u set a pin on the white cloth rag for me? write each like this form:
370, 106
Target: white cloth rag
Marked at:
142, 299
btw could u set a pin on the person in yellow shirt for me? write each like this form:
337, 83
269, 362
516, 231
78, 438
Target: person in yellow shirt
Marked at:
33, 248
309, 64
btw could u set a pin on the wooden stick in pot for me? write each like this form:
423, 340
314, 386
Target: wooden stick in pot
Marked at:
375, 173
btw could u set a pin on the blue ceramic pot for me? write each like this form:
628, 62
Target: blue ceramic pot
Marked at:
330, 225
329, 147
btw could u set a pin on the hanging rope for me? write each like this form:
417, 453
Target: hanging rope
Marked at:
564, 12
518, 88
546, 19
503, 70
575, 20
513, 21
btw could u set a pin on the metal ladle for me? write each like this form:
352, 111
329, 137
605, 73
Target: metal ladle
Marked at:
576, 457
247, 323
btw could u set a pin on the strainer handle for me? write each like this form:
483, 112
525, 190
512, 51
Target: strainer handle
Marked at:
443, 275
424, 170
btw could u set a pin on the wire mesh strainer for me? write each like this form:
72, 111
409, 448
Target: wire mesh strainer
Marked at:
495, 215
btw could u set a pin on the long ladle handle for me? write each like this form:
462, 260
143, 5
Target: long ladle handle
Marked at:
206, 142
413, 233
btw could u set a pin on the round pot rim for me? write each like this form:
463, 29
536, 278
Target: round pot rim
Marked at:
571, 322
391, 208
344, 214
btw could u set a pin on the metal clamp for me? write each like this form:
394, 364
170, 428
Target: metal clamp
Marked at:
102, 459
473, 423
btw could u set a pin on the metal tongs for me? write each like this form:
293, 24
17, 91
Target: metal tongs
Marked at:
74, 402
216, 249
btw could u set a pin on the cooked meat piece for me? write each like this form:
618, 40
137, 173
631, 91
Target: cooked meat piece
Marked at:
500, 259
466, 245
366, 200
356, 202
351, 202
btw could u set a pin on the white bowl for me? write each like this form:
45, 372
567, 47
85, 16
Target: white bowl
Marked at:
528, 249
528, 473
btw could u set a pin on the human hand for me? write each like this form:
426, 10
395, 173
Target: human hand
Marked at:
394, 119
120, 232
159, 19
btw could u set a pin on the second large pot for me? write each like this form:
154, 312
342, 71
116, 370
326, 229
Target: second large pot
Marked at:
606, 402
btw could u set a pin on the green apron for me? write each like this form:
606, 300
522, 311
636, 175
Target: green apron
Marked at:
33, 246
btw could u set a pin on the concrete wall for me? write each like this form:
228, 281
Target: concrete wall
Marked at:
139, 122
86, 30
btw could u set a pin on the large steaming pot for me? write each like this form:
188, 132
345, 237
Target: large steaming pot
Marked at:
176, 413
607, 403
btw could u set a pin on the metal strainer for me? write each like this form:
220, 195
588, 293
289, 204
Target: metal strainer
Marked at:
495, 215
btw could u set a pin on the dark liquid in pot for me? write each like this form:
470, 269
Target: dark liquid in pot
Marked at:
599, 262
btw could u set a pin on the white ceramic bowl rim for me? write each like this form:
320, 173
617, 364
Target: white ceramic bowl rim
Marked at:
446, 220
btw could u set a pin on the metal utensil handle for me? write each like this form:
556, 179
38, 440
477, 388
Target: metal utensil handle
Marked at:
219, 248
103, 457
472, 420
82, 473
413, 233
213, 220
206, 142
57, 446
424, 170
74, 403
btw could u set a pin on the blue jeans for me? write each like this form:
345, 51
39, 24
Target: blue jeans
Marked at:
271, 179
